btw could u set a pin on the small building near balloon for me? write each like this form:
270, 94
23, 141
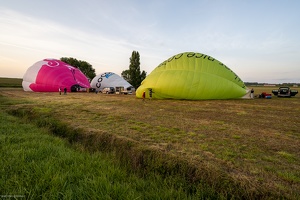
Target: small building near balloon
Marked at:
192, 76
51, 75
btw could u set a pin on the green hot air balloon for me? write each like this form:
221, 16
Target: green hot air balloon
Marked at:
192, 76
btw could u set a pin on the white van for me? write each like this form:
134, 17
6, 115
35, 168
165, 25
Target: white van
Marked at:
108, 90
122, 90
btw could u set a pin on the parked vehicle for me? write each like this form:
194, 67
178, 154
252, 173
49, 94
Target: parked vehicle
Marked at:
122, 90
78, 88
285, 92
108, 90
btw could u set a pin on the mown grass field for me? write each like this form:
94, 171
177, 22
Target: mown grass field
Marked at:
242, 149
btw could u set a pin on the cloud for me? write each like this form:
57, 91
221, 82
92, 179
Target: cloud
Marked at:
250, 41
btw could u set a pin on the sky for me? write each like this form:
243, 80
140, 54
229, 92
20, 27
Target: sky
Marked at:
257, 39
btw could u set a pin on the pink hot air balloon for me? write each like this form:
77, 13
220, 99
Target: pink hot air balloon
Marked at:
49, 75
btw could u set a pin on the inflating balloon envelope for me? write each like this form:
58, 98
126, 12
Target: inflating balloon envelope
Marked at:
192, 76
109, 79
49, 75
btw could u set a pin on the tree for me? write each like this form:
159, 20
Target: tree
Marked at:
86, 68
126, 75
133, 75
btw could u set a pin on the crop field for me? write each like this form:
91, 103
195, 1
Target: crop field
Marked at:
241, 148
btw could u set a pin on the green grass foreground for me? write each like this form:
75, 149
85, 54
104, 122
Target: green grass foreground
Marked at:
36, 165
226, 149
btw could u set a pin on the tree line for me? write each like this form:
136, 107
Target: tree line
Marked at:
133, 75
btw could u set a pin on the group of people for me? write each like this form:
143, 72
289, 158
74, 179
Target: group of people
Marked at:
150, 94
65, 91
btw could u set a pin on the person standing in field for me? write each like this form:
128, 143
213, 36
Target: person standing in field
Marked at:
59, 90
65, 90
144, 95
150, 93
252, 94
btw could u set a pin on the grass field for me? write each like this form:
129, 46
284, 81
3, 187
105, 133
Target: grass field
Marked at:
239, 148
11, 82
36, 165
